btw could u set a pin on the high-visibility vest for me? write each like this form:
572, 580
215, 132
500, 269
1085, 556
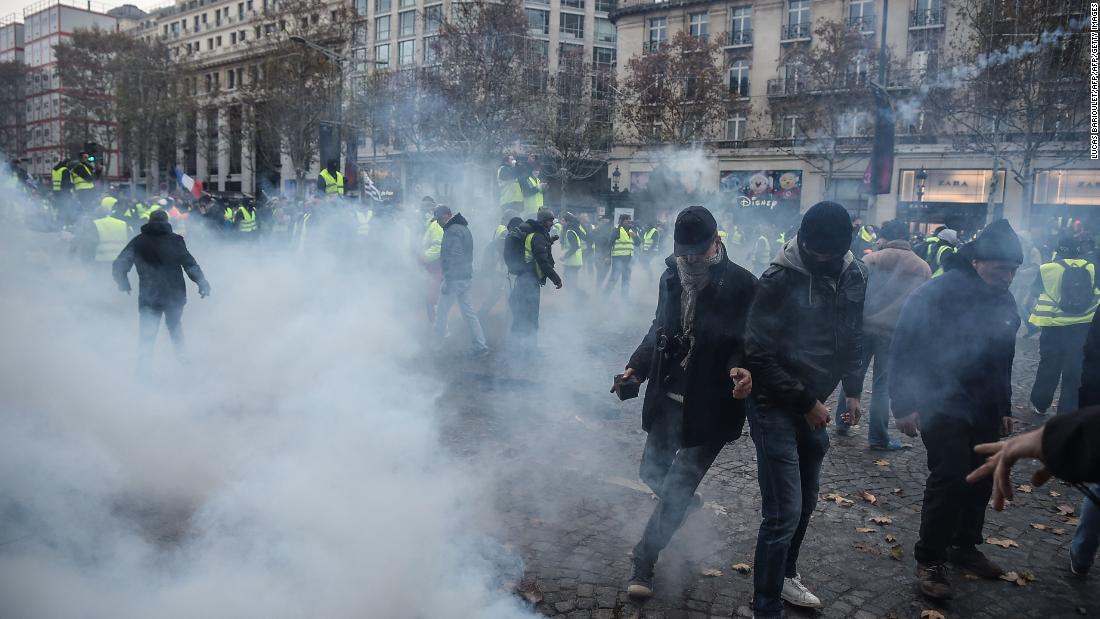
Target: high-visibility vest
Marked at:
229, 214
624, 245
362, 222
57, 177
248, 220
866, 235
80, 181
577, 259
529, 256
113, 235
108, 202
930, 245
782, 238
508, 189
937, 259
145, 210
737, 237
649, 242
1047, 313
501, 232
432, 241
333, 185
533, 202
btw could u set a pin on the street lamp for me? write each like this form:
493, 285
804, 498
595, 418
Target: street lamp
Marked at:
615, 179
922, 179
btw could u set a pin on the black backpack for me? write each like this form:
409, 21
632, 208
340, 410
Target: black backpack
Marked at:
1075, 295
514, 251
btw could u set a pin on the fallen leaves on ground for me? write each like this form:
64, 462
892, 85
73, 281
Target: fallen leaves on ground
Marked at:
865, 548
1065, 510
710, 571
867, 496
898, 491
865, 529
1020, 579
1003, 543
882, 463
890, 537
1081, 610
881, 520
530, 591
1038, 527
744, 568
1058, 531
1026, 489
1073, 521
970, 576
897, 552
1055, 493
931, 614
839, 499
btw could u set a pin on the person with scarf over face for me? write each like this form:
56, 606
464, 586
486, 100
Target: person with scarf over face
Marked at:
693, 358
804, 336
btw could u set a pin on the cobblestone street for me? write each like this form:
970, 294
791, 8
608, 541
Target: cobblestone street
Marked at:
572, 507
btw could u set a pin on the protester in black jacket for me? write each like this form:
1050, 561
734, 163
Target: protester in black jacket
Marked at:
693, 349
456, 258
161, 258
804, 337
526, 291
950, 380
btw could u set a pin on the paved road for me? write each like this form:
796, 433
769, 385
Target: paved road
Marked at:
564, 454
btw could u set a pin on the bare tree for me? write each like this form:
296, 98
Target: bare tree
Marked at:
821, 107
1015, 87
88, 64
675, 94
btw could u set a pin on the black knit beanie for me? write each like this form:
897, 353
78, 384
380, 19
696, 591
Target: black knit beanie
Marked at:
826, 229
998, 241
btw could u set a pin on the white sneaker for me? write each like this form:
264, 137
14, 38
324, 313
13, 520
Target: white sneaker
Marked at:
796, 593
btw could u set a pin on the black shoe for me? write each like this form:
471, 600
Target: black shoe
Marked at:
972, 560
641, 580
932, 581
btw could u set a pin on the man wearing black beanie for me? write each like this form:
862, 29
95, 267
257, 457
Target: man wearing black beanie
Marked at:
950, 380
804, 336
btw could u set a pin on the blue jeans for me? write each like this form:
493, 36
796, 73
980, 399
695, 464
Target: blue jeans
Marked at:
458, 290
1087, 536
875, 347
788, 459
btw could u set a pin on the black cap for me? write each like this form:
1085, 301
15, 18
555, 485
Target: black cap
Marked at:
695, 230
998, 241
826, 229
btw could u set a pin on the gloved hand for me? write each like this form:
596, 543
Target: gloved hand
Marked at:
204, 289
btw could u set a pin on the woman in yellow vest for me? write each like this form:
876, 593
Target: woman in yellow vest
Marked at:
1067, 302
573, 245
622, 253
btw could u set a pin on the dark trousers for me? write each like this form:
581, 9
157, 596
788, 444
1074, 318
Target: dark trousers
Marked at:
149, 325
673, 473
620, 272
524, 301
953, 512
788, 458
1061, 355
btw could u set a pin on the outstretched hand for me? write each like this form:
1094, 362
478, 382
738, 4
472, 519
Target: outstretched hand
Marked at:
1004, 454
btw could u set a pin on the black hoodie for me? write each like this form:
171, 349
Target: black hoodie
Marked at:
161, 258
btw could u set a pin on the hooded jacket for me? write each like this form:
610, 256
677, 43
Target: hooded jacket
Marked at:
456, 253
710, 410
953, 348
540, 250
893, 273
805, 332
161, 258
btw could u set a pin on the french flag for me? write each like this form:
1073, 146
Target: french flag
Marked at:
188, 183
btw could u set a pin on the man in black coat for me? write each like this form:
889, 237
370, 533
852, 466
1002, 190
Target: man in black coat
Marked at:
527, 290
456, 258
951, 380
804, 336
161, 258
693, 348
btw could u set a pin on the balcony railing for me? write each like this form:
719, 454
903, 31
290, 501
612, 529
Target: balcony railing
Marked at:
926, 18
795, 32
785, 87
738, 38
862, 23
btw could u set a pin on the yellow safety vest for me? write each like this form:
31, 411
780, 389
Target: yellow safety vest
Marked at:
1047, 313
432, 241
248, 220
722, 236
145, 211
649, 242
108, 202
509, 190
624, 245
865, 234
57, 176
502, 231
737, 236
80, 183
362, 227
229, 214
333, 185
937, 262
930, 244
529, 256
113, 235
577, 259
533, 202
